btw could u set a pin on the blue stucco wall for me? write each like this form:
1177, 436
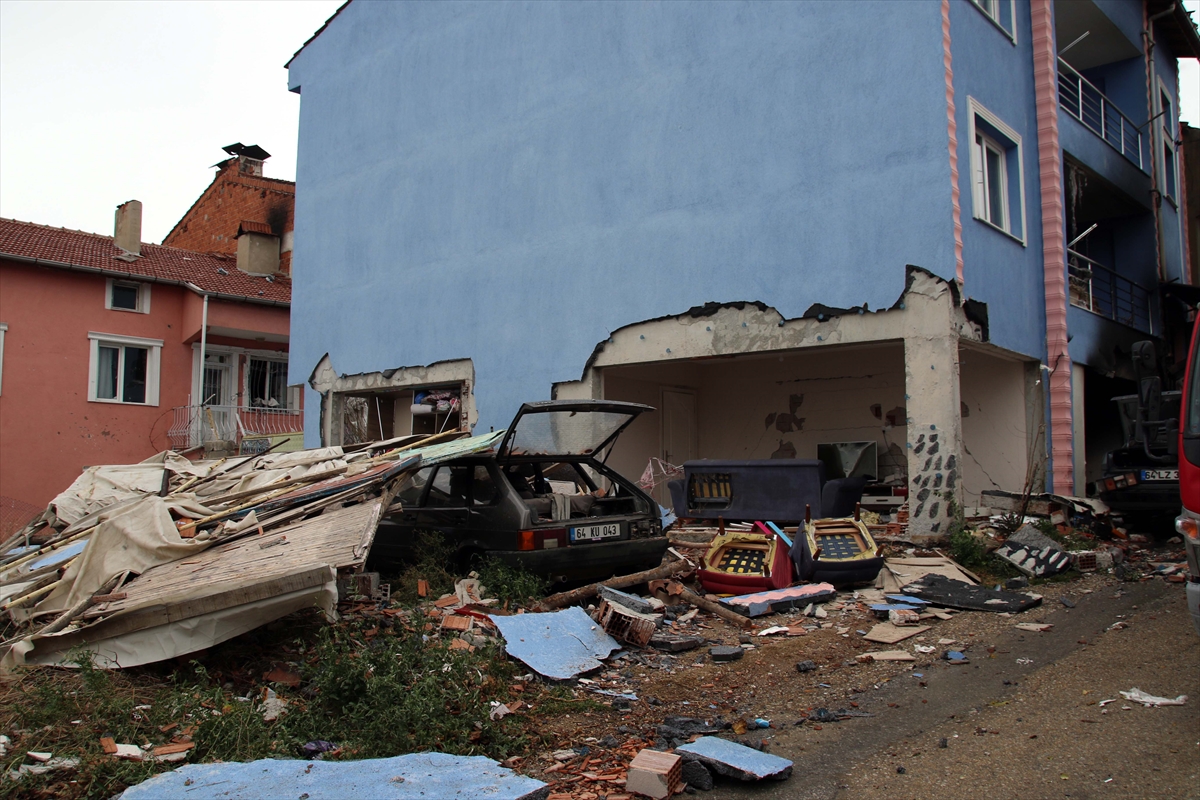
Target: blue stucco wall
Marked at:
997, 269
510, 182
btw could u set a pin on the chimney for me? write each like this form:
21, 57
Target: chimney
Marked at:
250, 158
257, 249
127, 233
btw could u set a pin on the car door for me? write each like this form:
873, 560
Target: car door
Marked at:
446, 502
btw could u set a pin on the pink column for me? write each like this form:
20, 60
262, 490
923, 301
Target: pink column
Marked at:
1054, 255
952, 127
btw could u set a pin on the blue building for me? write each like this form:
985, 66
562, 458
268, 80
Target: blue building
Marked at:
936, 226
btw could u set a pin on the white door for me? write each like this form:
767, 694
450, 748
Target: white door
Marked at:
217, 420
678, 433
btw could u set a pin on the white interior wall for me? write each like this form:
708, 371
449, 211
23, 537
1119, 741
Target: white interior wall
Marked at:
752, 406
995, 426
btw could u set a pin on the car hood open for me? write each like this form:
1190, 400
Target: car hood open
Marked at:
566, 428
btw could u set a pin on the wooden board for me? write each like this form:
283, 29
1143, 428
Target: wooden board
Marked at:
887, 633
332, 539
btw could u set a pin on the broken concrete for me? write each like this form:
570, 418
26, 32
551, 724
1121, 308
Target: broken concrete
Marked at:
736, 760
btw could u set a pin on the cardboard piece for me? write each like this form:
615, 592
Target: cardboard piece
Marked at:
887, 633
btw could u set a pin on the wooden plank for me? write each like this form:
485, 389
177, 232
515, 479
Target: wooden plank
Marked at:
162, 614
887, 633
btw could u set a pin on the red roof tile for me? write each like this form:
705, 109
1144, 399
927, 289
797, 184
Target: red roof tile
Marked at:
250, 226
91, 251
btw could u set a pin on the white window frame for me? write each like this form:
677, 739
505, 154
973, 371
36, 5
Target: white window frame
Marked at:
1013, 196
1167, 126
991, 10
153, 362
278, 358
143, 295
3, 328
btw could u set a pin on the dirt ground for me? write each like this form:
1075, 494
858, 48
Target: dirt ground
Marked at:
1022, 719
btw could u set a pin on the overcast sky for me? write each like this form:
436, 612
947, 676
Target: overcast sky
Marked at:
102, 102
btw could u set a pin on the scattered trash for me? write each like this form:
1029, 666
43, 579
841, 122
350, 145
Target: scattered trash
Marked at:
924, 648
887, 633
887, 655
43, 767
726, 653
806, 666
1034, 553
273, 706
1024, 661
1136, 695
1036, 627
955, 657
959, 594
674, 644
410, 777
317, 748
1066, 601
735, 760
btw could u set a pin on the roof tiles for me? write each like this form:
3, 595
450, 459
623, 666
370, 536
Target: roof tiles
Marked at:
210, 272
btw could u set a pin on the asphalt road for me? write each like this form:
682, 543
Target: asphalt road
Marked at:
1021, 730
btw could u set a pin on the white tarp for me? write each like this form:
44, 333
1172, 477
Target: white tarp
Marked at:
184, 636
129, 538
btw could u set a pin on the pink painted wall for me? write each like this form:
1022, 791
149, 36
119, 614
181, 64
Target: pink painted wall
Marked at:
229, 314
49, 431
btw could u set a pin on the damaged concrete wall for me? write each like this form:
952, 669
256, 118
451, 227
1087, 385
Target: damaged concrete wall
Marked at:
333, 389
928, 319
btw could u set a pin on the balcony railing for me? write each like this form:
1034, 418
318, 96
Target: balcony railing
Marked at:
1086, 103
1100, 290
194, 426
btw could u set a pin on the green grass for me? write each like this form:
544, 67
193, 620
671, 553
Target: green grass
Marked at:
374, 690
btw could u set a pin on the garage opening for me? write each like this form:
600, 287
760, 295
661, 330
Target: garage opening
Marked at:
843, 404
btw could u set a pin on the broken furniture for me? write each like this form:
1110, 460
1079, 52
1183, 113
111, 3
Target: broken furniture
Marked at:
777, 600
837, 551
738, 562
775, 489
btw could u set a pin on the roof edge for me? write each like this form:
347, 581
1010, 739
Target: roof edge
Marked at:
319, 31
137, 276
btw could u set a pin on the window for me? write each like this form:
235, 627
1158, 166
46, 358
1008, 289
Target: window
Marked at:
1002, 14
127, 296
997, 177
267, 383
449, 487
123, 369
1170, 177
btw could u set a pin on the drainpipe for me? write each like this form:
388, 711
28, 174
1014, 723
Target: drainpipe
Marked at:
1156, 143
203, 335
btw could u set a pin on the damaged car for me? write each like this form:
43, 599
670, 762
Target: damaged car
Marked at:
545, 501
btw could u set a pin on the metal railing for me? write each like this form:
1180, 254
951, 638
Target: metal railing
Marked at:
1086, 103
1098, 289
194, 426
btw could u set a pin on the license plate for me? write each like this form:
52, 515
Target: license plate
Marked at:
1160, 474
595, 532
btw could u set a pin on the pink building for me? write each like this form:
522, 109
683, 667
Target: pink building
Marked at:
112, 350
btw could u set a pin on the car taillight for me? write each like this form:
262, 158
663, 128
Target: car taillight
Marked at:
542, 539
1188, 526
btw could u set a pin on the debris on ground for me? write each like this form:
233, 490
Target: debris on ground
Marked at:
1136, 695
170, 556
417, 775
559, 644
655, 774
736, 760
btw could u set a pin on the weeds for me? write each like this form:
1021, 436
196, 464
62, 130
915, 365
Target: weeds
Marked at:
374, 689
432, 562
511, 584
